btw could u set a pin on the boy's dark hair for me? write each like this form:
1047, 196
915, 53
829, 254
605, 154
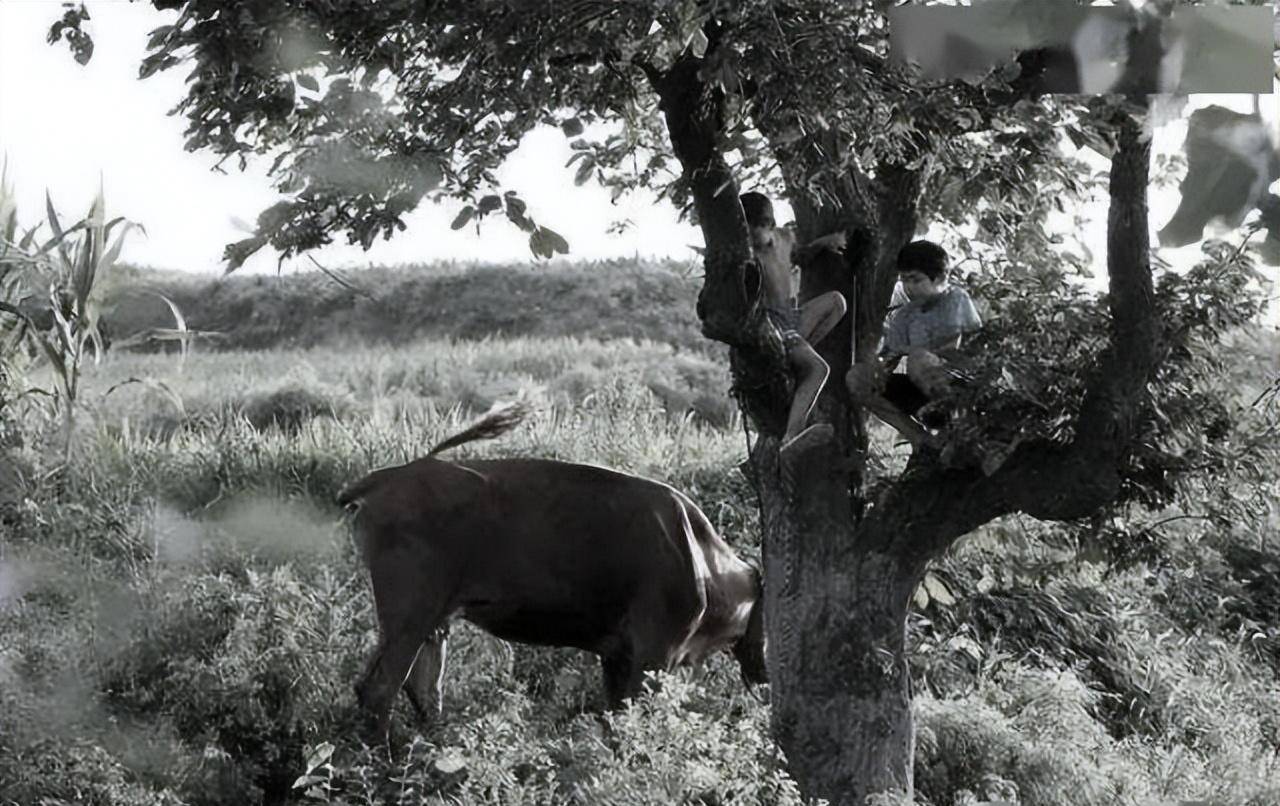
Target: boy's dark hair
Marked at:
755, 205
925, 257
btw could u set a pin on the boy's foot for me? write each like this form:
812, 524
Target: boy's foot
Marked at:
815, 434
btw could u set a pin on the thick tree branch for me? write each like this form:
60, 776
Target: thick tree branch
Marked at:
929, 507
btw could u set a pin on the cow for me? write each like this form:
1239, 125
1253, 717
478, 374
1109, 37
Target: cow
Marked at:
543, 552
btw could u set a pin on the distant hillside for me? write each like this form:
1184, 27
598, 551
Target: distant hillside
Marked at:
608, 299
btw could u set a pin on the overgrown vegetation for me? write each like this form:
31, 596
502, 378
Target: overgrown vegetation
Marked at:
182, 614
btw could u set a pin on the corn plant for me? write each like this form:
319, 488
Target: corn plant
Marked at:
14, 324
71, 265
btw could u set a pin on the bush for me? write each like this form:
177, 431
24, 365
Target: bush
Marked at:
247, 669
1073, 628
1027, 735
75, 773
293, 404
669, 746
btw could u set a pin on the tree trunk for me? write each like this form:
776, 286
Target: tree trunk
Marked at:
839, 570
835, 605
836, 609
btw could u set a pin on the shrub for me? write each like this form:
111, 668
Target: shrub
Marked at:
1027, 734
79, 773
247, 669
289, 406
668, 746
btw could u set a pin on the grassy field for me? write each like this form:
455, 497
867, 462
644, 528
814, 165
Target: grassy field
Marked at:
182, 615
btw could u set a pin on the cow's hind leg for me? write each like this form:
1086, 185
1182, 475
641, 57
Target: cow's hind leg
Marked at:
386, 674
425, 683
410, 609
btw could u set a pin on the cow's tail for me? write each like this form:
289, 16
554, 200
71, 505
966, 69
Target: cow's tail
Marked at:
499, 420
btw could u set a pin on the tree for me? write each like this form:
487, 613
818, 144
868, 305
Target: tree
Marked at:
370, 108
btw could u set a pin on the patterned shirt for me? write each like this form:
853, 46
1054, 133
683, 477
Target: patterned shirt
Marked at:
920, 323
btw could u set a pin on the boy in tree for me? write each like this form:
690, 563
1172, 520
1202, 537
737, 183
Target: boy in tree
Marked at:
927, 331
801, 326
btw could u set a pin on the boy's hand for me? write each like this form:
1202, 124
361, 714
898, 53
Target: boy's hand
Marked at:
835, 242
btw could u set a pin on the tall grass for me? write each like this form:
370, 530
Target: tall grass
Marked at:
181, 618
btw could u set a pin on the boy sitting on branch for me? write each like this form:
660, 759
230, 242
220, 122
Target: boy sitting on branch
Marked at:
927, 331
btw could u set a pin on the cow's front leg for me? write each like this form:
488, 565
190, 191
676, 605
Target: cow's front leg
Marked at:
624, 672
425, 685
617, 672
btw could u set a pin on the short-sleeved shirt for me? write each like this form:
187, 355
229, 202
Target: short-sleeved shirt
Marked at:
920, 323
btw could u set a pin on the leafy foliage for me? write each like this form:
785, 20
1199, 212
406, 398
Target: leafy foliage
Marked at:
1028, 368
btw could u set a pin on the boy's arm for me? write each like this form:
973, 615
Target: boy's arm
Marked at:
835, 242
895, 345
963, 319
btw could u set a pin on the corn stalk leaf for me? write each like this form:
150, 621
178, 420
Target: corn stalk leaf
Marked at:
56, 226
54, 357
156, 385
29, 238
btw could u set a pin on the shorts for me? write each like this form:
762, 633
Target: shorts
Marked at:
902, 392
787, 321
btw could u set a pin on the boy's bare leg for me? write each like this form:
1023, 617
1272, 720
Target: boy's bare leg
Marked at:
811, 375
865, 384
820, 314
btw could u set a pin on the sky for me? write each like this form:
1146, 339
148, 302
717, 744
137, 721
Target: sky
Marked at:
63, 127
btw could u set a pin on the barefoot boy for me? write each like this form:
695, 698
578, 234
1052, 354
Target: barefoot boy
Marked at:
800, 325
927, 331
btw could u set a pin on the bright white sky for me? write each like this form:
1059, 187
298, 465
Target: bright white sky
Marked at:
63, 125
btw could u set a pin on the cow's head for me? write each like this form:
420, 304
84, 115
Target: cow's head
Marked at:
749, 649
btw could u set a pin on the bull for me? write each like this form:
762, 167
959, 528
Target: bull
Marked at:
543, 552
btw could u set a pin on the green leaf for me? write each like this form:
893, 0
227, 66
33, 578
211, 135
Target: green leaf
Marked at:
938, 591
319, 755
571, 127
237, 253
158, 35
920, 597
464, 215
557, 242
450, 763
547, 243
108, 258
308, 82
489, 203
584, 172
515, 213
697, 43
56, 226
54, 356
28, 238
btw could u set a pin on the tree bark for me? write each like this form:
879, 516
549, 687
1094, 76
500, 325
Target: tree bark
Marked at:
835, 611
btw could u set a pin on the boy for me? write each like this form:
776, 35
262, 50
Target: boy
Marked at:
800, 325
927, 331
